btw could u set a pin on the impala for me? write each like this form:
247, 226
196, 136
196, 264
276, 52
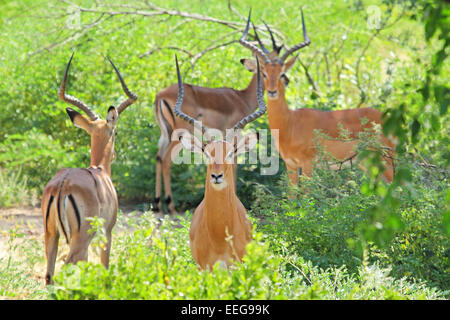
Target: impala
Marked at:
296, 128
78, 193
217, 108
220, 228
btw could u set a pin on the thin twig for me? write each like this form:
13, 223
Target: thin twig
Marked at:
153, 50
233, 10
199, 55
309, 76
157, 11
76, 35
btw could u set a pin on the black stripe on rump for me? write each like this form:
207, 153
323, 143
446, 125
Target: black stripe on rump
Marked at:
58, 206
170, 110
48, 212
77, 212
164, 120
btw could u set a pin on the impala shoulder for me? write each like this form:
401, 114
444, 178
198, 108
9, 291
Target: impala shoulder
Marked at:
78, 177
56, 180
170, 92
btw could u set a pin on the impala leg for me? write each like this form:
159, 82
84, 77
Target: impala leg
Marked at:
51, 250
307, 169
389, 164
79, 245
293, 179
166, 169
107, 250
388, 173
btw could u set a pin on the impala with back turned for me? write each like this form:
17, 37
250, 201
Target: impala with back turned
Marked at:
76, 194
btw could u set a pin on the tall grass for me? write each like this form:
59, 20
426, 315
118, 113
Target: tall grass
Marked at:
15, 190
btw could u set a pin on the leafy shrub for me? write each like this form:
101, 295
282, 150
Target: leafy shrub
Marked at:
157, 264
38, 155
322, 225
151, 263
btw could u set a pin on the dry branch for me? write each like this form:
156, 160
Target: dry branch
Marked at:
148, 9
309, 76
155, 11
153, 50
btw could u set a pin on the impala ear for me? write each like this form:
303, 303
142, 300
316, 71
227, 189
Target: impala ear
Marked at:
249, 64
111, 117
79, 120
285, 79
288, 65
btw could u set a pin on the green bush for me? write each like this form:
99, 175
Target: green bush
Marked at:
345, 236
323, 225
151, 263
157, 264
38, 155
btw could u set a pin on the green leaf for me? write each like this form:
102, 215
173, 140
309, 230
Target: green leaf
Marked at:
415, 128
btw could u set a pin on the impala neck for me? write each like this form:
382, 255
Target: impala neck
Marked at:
101, 153
249, 93
220, 207
278, 111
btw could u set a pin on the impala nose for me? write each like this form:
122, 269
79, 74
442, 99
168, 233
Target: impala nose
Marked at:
217, 178
272, 94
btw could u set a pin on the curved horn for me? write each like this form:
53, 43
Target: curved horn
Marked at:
131, 96
274, 44
72, 100
264, 49
261, 105
250, 46
179, 102
305, 42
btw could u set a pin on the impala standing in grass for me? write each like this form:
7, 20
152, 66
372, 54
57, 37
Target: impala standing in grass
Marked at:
296, 128
218, 108
78, 193
220, 228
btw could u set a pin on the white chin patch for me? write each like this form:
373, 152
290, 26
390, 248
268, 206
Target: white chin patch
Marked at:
219, 186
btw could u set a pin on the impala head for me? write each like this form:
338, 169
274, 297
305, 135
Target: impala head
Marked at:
273, 68
102, 132
220, 154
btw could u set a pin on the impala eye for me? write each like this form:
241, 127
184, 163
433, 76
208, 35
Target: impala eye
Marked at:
264, 75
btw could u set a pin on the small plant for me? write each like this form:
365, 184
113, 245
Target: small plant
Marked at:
97, 229
17, 267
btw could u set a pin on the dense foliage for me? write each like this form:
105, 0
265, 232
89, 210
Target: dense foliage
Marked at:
347, 235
